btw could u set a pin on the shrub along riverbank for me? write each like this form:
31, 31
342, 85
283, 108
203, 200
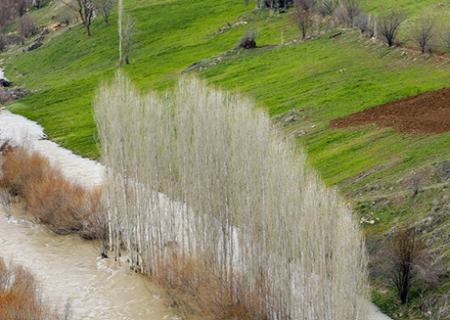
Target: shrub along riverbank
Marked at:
50, 197
21, 296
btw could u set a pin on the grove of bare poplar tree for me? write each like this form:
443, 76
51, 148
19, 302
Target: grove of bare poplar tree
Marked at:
201, 175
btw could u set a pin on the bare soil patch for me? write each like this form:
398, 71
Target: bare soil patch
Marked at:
426, 113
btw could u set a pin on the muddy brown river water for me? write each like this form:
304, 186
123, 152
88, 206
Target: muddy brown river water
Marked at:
70, 269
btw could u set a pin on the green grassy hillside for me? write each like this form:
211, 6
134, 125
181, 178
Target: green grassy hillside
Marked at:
303, 85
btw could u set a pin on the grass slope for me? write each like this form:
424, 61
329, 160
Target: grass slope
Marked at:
67, 70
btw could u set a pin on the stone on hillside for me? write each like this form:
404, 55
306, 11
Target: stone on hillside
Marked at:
35, 46
5, 83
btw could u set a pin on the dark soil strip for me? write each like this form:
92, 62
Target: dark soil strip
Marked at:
426, 113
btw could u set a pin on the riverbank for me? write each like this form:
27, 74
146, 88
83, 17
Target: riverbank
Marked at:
21, 131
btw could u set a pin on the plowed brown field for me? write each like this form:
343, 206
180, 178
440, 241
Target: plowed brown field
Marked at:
426, 113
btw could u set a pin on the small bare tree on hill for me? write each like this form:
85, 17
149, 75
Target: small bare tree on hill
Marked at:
306, 5
326, 7
350, 10
303, 21
27, 27
406, 261
104, 7
248, 41
367, 24
6, 12
85, 9
303, 15
423, 34
444, 35
389, 24
21, 6
129, 35
415, 181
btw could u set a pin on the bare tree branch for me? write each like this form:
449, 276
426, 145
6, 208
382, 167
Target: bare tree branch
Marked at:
423, 34
367, 24
129, 33
105, 8
351, 9
405, 261
85, 9
389, 24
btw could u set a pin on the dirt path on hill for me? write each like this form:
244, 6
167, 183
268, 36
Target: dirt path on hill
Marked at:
426, 113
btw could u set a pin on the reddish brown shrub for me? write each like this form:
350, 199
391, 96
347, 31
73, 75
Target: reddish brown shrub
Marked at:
20, 296
193, 289
56, 202
64, 206
95, 222
21, 167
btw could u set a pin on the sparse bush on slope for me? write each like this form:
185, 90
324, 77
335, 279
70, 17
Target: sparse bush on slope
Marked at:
245, 230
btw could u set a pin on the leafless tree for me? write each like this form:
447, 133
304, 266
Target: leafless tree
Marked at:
129, 35
306, 5
120, 9
423, 34
66, 17
303, 15
259, 4
248, 41
303, 20
6, 12
104, 7
5, 199
414, 181
5, 202
326, 7
350, 10
406, 261
366, 23
85, 9
21, 6
272, 4
27, 27
444, 36
389, 24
